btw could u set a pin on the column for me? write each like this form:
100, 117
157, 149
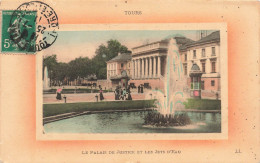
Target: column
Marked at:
133, 69
150, 68
142, 68
137, 68
159, 66
140, 72
146, 68
154, 67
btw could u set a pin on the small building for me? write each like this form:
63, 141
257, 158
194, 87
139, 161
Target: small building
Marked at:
195, 84
119, 69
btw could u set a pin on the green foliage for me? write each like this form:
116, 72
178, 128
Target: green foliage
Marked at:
203, 104
104, 54
79, 67
83, 66
55, 109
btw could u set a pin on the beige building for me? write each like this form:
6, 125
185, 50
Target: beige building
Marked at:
206, 54
119, 68
149, 62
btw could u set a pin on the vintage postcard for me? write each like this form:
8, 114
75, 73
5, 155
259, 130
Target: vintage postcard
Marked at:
129, 81
124, 81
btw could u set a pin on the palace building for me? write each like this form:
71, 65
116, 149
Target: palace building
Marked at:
147, 63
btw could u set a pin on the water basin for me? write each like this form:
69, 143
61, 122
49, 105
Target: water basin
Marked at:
132, 122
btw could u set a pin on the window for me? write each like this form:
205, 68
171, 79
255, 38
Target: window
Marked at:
122, 65
185, 57
212, 82
185, 69
203, 54
213, 67
203, 65
213, 51
202, 84
194, 54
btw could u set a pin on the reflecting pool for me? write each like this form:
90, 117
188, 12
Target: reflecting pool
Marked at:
133, 122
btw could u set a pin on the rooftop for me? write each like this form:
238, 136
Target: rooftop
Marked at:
213, 37
195, 67
121, 58
161, 41
183, 40
195, 70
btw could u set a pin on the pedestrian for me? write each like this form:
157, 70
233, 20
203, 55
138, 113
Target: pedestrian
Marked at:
101, 97
128, 93
138, 88
121, 94
58, 97
142, 89
116, 93
124, 94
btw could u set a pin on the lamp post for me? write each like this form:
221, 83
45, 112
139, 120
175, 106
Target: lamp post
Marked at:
50, 78
65, 99
96, 97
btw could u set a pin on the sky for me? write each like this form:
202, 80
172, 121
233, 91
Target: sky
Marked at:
73, 44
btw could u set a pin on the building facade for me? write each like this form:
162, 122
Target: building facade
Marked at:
206, 54
147, 63
118, 68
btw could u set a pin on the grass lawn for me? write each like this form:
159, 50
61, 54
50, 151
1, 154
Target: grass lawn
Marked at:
203, 104
55, 109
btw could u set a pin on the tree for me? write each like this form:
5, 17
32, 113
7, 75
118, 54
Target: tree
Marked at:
83, 66
79, 67
61, 71
104, 54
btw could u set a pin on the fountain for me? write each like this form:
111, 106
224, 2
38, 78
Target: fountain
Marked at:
46, 79
172, 97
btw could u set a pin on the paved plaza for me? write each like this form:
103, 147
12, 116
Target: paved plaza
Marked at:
86, 97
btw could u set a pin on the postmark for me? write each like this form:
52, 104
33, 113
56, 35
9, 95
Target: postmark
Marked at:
30, 34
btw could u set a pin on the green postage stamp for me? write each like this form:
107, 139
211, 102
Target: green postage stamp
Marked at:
18, 31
